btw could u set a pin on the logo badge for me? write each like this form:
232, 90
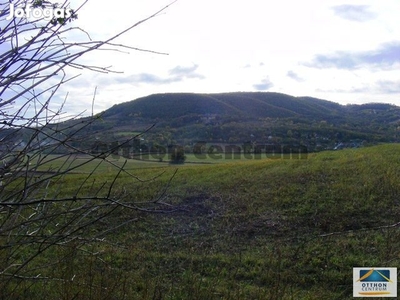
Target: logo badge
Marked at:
374, 282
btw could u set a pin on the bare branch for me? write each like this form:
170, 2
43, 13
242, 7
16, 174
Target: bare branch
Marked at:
39, 145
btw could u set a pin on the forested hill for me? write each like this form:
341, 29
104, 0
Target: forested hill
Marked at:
259, 117
244, 117
242, 105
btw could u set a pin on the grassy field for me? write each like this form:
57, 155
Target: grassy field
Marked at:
81, 165
242, 229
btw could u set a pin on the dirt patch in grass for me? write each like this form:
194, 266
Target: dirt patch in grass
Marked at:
197, 205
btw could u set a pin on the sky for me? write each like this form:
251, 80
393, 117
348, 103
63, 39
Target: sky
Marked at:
343, 51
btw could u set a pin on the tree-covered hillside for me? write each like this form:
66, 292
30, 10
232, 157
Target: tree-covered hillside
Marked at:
243, 105
256, 118
263, 118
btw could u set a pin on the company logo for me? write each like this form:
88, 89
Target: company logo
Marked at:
374, 282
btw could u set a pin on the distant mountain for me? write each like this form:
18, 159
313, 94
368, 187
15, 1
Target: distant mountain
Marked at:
242, 105
245, 117
258, 117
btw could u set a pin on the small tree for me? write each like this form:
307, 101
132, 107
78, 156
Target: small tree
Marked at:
178, 155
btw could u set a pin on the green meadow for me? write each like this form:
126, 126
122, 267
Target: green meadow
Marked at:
85, 164
229, 229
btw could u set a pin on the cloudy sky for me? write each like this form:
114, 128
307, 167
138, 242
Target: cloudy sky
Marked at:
343, 51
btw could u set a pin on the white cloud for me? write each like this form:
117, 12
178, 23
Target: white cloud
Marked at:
359, 13
386, 56
294, 76
264, 85
209, 42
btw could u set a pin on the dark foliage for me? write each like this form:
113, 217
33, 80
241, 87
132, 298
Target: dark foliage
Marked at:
262, 118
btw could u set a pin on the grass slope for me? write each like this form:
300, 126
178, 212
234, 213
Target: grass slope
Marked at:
266, 229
